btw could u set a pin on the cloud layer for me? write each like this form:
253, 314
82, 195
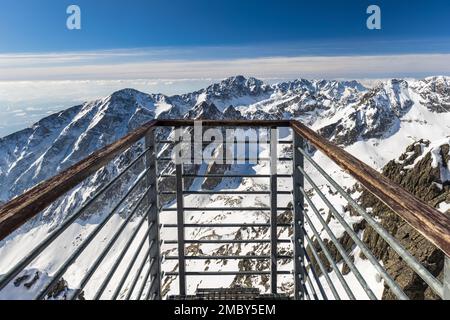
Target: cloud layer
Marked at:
167, 64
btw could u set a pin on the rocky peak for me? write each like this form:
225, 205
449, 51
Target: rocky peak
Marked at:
231, 113
205, 111
434, 93
423, 170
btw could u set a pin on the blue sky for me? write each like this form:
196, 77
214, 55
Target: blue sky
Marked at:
177, 46
318, 27
204, 39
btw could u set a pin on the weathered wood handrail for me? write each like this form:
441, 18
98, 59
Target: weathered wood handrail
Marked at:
431, 223
18, 211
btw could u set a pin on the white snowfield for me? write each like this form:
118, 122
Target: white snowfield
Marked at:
375, 125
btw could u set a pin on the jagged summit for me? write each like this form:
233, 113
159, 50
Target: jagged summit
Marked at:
373, 124
344, 111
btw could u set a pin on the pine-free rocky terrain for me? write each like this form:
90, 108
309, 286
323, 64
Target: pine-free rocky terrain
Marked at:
399, 127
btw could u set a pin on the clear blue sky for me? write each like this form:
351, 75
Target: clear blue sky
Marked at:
39, 25
212, 39
176, 46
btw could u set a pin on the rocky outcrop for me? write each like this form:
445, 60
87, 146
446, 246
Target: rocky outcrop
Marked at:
421, 170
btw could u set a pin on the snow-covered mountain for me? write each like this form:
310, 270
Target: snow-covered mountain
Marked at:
375, 124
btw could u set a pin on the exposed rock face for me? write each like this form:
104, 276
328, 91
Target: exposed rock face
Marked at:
434, 92
343, 111
422, 170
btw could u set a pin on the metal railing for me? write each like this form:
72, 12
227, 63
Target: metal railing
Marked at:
131, 259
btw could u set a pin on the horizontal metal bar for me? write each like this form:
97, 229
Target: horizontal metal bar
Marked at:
338, 245
322, 269
225, 209
412, 262
227, 273
309, 282
213, 159
233, 176
80, 249
333, 264
427, 220
249, 257
146, 277
227, 225
131, 262
226, 160
26, 206
9, 276
227, 241
208, 192
145, 260
112, 241
316, 278
210, 142
389, 280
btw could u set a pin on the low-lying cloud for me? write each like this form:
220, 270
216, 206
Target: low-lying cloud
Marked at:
134, 64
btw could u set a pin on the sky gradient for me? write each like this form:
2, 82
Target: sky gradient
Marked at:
39, 26
179, 46
202, 39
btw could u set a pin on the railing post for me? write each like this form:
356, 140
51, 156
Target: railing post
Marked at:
446, 282
153, 217
273, 209
298, 219
180, 219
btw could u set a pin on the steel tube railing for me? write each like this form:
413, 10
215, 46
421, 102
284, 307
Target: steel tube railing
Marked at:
323, 270
212, 175
333, 264
389, 280
111, 243
228, 273
298, 221
412, 262
138, 274
130, 264
233, 241
309, 282
226, 209
314, 274
62, 269
60, 229
227, 225
111, 273
153, 216
144, 278
338, 245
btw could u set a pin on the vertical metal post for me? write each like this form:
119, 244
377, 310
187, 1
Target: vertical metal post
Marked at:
298, 219
180, 220
273, 209
446, 282
153, 217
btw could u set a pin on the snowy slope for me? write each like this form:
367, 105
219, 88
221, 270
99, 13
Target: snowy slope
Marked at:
373, 124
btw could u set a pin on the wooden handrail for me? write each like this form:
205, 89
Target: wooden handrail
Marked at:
225, 123
431, 223
18, 211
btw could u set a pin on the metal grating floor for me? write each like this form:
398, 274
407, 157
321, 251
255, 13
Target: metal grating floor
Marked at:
230, 294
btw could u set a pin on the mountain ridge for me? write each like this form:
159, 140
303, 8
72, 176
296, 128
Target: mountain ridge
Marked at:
374, 124
342, 111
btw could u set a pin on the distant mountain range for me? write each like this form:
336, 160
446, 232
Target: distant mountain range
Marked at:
375, 124
343, 111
